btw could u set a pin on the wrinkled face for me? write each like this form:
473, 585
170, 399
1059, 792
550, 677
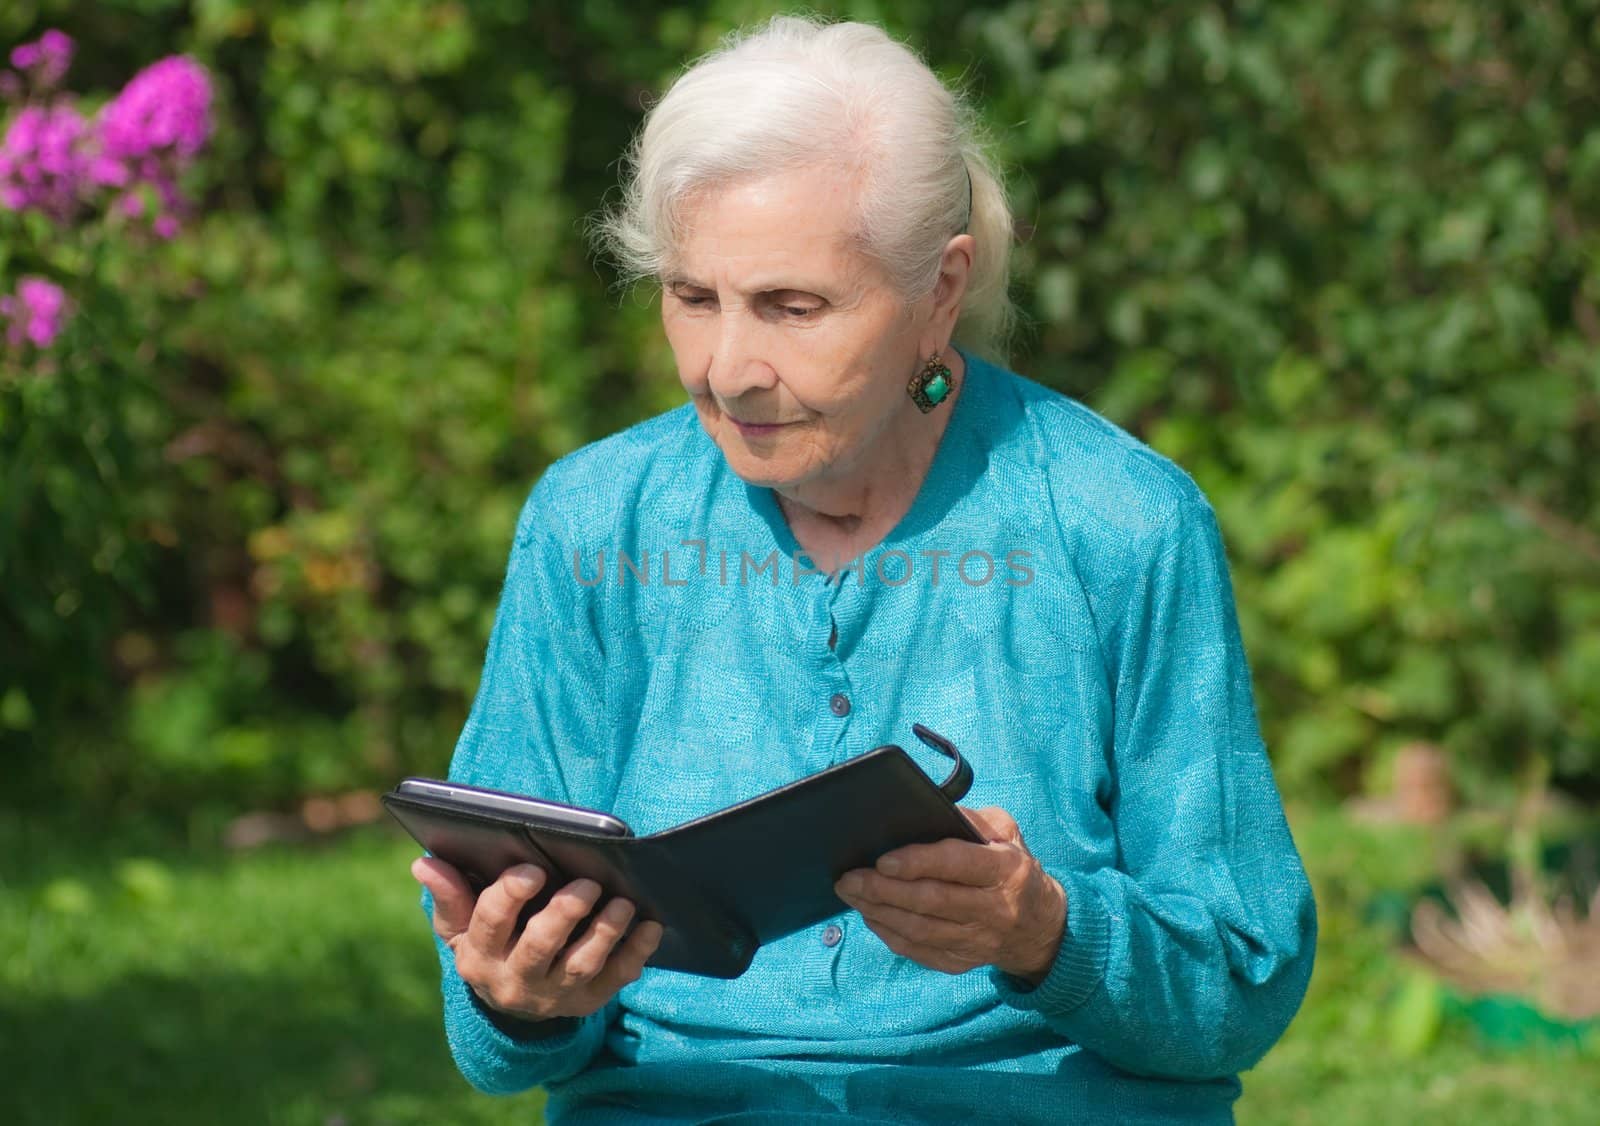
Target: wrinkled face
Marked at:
792, 343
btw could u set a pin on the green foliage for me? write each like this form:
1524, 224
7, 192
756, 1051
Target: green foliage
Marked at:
81, 480
1340, 261
376, 336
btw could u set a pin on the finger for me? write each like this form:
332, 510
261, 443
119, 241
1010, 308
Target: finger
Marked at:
627, 963
959, 903
993, 823
551, 929
453, 897
494, 922
955, 938
906, 947
586, 956
956, 862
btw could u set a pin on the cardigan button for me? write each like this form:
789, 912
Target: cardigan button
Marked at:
831, 934
839, 705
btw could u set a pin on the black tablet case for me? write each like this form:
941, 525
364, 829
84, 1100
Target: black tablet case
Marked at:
723, 884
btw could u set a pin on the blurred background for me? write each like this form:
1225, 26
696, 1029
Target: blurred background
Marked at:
295, 305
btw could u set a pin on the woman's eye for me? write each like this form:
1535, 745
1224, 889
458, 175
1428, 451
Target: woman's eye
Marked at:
694, 300
797, 312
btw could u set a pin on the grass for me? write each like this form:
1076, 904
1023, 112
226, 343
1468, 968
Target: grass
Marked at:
1350, 1056
290, 985
143, 982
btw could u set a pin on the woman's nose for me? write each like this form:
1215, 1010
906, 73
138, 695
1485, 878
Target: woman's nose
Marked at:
739, 364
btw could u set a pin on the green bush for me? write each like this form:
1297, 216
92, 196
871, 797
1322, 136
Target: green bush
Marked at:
1340, 261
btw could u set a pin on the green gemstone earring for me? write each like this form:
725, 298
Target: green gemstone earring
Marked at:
930, 386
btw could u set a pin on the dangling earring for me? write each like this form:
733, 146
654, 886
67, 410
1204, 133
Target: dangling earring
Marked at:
930, 386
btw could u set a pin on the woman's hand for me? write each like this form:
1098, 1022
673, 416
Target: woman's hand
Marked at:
955, 905
536, 975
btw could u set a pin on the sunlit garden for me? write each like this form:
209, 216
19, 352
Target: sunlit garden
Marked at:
297, 301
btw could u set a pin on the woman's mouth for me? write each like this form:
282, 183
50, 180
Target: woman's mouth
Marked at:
757, 429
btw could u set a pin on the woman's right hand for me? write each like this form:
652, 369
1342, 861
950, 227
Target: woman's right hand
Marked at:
536, 975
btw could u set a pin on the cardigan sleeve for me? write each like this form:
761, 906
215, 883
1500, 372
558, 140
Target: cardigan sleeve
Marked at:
537, 726
1189, 957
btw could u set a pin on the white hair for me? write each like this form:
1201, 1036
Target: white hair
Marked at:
798, 91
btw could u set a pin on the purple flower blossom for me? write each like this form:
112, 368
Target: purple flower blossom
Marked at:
46, 59
159, 121
45, 160
52, 160
165, 107
37, 312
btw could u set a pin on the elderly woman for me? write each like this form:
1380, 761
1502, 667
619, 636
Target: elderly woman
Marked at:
856, 524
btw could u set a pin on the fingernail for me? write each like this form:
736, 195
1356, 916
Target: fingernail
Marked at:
850, 884
586, 889
526, 879
651, 931
889, 865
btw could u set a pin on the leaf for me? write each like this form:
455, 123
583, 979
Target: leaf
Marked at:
1415, 1016
15, 711
67, 896
145, 881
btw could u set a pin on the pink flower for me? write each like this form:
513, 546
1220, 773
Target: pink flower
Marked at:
44, 160
53, 161
37, 312
166, 106
47, 58
150, 130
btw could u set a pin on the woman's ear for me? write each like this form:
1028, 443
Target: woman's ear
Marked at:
955, 269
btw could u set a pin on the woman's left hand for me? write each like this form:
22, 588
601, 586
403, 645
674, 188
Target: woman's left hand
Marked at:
955, 905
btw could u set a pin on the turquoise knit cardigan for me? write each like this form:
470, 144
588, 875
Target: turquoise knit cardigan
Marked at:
1057, 602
